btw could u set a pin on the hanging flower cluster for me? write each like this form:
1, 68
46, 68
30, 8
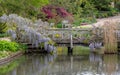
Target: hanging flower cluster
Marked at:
25, 30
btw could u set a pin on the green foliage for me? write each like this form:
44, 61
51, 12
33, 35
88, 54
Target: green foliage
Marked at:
4, 35
26, 8
102, 14
41, 45
10, 46
88, 20
3, 28
77, 7
88, 8
102, 5
23, 47
118, 5
59, 25
5, 45
38, 3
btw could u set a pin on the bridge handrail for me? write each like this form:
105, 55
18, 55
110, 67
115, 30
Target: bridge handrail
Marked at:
68, 29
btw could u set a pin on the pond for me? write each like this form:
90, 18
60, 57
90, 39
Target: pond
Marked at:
38, 64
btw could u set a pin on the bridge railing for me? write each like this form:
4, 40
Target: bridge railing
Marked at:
78, 34
60, 35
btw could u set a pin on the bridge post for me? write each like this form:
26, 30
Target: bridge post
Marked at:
70, 48
71, 41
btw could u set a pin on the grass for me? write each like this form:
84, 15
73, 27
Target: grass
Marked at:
110, 39
81, 50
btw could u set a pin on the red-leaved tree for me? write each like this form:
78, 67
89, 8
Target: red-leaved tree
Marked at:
56, 13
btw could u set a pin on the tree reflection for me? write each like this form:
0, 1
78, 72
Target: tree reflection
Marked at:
93, 57
34, 65
94, 64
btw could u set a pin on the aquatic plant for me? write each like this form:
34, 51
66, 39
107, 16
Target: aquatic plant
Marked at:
95, 45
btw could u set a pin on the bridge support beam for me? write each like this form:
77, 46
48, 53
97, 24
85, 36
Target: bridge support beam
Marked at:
71, 41
118, 47
70, 51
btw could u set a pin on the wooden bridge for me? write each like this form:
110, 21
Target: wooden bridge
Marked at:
68, 35
72, 36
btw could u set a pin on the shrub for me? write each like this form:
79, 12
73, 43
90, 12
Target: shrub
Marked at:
57, 14
77, 22
59, 25
10, 46
118, 5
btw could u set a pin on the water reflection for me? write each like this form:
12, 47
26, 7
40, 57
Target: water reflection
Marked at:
92, 64
96, 62
34, 65
110, 65
95, 57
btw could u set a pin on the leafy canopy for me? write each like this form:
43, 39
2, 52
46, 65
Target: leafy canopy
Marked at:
26, 8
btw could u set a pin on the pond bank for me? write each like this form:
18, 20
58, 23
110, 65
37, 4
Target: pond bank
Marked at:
11, 57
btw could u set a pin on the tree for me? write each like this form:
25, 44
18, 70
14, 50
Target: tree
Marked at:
76, 7
26, 8
56, 14
102, 5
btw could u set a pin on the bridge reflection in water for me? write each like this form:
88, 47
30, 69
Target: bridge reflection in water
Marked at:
92, 64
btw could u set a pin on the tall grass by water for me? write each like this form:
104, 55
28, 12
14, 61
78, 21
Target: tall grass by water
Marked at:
109, 36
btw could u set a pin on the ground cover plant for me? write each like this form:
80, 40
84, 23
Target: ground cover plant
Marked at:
7, 48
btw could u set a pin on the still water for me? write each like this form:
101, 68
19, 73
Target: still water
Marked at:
36, 64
